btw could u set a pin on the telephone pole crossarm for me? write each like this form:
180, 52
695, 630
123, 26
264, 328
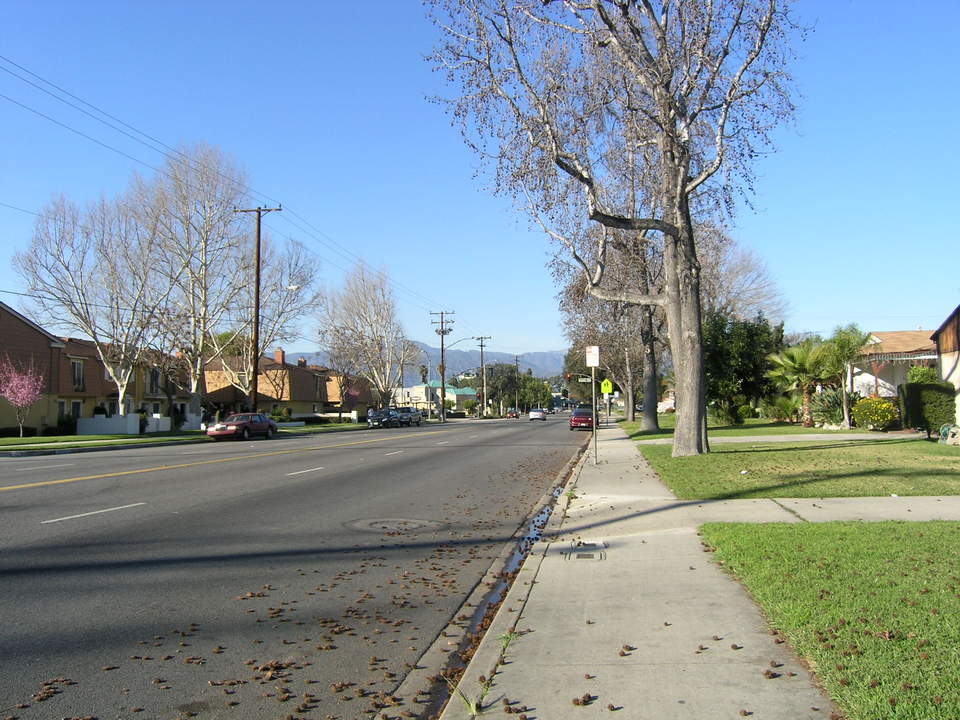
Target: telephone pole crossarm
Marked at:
483, 372
255, 339
445, 327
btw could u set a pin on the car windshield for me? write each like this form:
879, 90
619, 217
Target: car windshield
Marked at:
238, 418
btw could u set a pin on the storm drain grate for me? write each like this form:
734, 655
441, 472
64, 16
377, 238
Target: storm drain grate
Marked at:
586, 550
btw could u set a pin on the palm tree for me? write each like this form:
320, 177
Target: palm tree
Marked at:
844, 346
799, 368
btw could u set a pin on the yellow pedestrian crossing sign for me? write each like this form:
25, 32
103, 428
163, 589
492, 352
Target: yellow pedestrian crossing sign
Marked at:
606, 387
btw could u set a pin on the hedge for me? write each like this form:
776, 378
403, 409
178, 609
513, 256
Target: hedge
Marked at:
927, 406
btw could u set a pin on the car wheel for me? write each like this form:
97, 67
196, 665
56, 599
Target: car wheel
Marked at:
246, 433
268, 434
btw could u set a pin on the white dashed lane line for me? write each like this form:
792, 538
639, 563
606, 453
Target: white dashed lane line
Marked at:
301, 472
396, 452
95, 512
42, 467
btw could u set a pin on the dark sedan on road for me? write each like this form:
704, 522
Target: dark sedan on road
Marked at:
243, 425
581, 418
383, 418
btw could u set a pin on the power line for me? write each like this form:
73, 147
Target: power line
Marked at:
328, 242
310, 230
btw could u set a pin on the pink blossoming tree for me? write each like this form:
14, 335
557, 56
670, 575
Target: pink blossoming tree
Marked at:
21, 387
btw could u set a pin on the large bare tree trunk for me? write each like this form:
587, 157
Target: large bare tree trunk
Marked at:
683, 318
629, 405
651, 379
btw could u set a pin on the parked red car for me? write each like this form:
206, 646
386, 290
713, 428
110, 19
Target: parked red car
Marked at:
243, 425
580, 418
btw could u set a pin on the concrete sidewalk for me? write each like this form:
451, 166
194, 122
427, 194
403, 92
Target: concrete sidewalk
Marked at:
620, 607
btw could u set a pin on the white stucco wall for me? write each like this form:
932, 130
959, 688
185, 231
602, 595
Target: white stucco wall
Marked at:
949, 368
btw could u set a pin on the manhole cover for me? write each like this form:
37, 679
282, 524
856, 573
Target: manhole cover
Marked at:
380, 525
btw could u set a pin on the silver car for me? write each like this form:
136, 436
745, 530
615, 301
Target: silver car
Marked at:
538, 414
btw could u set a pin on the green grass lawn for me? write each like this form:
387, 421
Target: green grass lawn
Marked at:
68, 441
13, 442
751, 426
852, 468
873, 607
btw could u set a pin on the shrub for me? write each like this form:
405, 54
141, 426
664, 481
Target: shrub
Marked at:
784, 408
922, 374
874, 413
827, 406
927, 406
746, 411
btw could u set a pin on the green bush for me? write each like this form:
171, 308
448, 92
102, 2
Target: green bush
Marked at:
922, 374
926, 406
745, 411
783, 408
874, 413
827, 406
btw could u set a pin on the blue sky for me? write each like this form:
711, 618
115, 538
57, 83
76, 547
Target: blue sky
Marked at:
326, 106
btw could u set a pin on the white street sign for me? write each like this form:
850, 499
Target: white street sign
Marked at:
593, 356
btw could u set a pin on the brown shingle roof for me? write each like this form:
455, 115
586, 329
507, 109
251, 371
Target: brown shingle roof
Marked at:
900, 341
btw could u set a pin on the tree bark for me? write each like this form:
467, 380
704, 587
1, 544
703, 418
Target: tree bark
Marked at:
630, 406
683, 316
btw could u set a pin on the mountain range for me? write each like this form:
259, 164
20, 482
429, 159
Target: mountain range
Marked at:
543, 364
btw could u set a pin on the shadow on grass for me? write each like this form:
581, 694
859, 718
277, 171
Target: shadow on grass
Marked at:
666, 430
781, 446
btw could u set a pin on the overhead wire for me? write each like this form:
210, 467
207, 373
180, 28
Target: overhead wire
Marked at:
168, 152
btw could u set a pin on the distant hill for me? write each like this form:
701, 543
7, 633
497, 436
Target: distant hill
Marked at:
544, 364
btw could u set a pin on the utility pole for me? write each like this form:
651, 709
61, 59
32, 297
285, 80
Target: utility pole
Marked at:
516, 390
255, 340
444, 329
483, 370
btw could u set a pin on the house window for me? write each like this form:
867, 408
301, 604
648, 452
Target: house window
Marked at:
76, 407
318, 385
112, 408
154, 382
315, 409
76, 369
61, 409
156, 408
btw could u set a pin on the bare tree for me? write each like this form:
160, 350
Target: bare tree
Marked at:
193, 199
93, 272
359, 327
341, 359
693, 86
735, 281
630, 336
288, 293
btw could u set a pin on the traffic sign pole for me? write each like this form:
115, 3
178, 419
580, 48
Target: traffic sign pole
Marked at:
593, 388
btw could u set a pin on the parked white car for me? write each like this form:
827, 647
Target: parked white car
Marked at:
538, 414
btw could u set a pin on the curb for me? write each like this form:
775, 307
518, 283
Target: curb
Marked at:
490, 652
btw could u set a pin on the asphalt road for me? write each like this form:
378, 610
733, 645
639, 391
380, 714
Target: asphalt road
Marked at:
263, 579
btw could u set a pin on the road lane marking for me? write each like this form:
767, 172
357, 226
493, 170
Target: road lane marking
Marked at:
444, 442
42, 467
301, 472
197, 463
95, 512
395, 452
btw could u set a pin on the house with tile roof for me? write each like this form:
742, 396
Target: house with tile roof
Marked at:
887, 357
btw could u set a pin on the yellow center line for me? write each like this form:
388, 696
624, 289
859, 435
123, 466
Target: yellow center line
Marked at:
178, 466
